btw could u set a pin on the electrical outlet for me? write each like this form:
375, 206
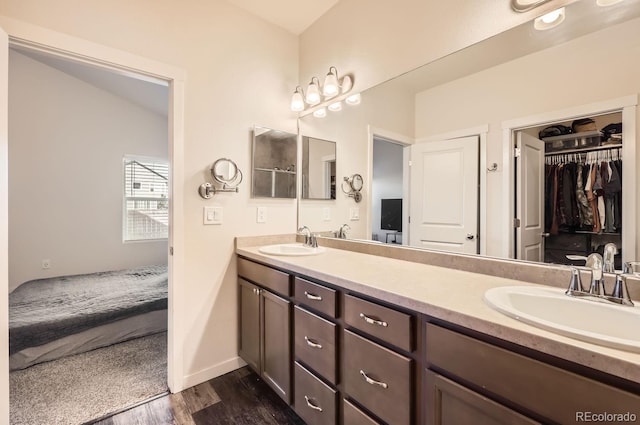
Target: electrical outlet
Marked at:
46, 264
326, 214
261, 215
354, 213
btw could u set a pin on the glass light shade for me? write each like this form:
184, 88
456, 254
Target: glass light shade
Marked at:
346, 84
313, 93
330, 87
297, 101
320, 113
354, 99
549, 20
336, 106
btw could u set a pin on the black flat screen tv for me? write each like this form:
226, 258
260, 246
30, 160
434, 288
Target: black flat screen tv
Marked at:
391, 216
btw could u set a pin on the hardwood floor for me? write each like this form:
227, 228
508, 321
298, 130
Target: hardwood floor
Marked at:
237, 398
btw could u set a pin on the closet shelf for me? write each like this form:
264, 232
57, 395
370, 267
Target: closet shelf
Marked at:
586, 232
589, 149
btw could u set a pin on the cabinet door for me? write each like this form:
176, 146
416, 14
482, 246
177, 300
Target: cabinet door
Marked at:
276, 354
250, 324
451, 404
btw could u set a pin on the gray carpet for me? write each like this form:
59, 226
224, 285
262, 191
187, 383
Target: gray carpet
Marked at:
86, 386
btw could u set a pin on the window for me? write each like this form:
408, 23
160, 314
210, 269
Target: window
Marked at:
146, 199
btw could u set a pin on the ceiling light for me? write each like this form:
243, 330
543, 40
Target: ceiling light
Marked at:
605, 3
313, 92
354, 99
330, 87
320, 113
549, 20
335, 107
297, 100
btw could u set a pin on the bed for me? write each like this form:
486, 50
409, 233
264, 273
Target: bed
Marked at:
55, 317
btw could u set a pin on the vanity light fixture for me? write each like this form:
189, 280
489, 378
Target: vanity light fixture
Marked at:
549, 20
605, 3
318, 98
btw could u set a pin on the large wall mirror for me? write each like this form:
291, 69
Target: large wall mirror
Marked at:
318, 168
460, 116
274, 170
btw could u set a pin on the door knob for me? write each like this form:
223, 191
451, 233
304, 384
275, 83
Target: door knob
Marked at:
470, 237
545, 235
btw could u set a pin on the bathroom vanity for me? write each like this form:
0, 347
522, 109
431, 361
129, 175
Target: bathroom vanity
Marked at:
351, 338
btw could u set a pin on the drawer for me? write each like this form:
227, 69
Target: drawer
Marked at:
315, 343
354, 416
317, 297
389, 325
272, 279
553, 393
378, 378
314, 400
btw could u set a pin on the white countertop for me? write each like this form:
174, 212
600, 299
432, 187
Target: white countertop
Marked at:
447, 294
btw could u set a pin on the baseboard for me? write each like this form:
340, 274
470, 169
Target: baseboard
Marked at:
213, 372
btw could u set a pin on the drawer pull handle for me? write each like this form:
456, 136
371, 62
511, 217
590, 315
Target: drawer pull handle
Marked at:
313, 297
371, 321
311, 343
311, 405
373, 381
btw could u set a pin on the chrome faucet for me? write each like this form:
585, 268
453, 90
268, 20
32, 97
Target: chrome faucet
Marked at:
620, 293
609, 256
309, 238
342, 231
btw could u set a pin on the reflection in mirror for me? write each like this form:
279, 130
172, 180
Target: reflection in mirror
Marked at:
274, 163
318, 168
516, 75
225, 171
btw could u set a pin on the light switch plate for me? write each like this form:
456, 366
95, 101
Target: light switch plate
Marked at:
261, 215
354, 213
212, 215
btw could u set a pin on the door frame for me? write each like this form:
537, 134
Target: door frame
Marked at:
41, 39
481, 132
405, 141
628, 106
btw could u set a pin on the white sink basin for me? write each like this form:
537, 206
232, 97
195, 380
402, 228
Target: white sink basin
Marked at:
291, 249
549, 308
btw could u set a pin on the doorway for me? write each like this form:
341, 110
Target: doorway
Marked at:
124, 63
525, 200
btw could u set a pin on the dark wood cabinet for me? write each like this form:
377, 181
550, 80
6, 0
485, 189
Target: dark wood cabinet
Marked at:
265, 321
315, 401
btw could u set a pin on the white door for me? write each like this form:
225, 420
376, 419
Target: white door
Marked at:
444, 195
530, 198
4, 227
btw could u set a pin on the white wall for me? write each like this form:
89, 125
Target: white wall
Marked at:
504, 93
239, 72
67, 139
387, 179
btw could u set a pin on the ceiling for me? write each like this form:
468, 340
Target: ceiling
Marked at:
294, 16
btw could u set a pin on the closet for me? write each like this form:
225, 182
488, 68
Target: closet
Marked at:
582, 187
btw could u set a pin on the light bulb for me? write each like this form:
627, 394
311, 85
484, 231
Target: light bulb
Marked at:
297, 101
336, 106
313, 92
330, 87
354, 99
549, 20
320, 113
346, 84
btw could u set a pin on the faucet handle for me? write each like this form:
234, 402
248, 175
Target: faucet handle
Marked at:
575, 285
620, 292
594, 262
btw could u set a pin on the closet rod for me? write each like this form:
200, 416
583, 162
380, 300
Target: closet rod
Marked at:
595, 148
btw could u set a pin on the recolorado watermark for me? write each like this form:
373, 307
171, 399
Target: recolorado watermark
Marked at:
605, 417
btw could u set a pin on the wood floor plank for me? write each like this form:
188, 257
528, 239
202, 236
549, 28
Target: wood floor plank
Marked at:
200, 397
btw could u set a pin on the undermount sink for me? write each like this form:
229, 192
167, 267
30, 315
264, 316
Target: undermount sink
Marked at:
291, 249
548, 308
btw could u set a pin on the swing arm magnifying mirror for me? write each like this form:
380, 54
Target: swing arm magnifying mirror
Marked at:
354, 186
225, 172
